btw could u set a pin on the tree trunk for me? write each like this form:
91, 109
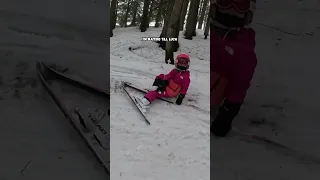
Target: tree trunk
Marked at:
183, 14
203, 13
113, 14
126, 15
200, 9
207, 28
159, 13
163, 34
135, 5
192, 19
166, 5
144, 22
123, 14
173, 31
150, 12
165, 9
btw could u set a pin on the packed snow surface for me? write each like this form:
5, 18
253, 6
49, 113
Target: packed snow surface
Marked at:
177, 143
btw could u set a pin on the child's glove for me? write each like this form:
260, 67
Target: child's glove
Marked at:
163, 85
180, 98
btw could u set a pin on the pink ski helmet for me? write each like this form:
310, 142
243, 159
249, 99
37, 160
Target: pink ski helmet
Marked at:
182, 62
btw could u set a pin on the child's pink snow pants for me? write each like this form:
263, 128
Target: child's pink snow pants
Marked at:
152, 95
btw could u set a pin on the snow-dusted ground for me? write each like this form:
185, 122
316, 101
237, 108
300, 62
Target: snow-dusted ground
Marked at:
284, 95
32, 128
176, 144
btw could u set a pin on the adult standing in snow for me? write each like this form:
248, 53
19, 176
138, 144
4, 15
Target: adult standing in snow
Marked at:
233, 60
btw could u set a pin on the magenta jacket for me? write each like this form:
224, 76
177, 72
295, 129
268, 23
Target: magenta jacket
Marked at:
233, 57
181, 78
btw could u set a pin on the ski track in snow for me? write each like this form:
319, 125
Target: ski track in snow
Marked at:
176, 144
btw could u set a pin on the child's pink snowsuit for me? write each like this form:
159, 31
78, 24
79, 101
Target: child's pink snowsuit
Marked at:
233, 62
181, 78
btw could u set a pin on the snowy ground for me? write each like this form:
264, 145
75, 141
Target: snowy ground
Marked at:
32, 128
176, 144
283, 102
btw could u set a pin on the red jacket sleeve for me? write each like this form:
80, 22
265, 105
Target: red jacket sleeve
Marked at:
240, 80
185, 84
241, 66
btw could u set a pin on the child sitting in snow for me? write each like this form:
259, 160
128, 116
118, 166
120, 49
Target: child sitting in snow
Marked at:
176, 83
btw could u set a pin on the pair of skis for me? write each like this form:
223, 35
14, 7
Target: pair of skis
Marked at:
88, 128
135, 101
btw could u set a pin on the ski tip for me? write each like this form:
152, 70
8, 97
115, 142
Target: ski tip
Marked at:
125, 82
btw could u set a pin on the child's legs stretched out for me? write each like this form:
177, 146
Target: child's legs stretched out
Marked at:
152, 95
